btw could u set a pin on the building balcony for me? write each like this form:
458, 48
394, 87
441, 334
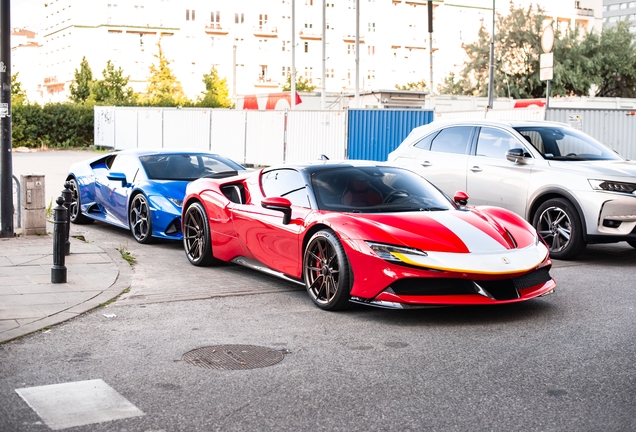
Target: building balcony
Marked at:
265, 81
265, 31
415, 44
51, 81
585, 12
352, 38
216, 28
309, 34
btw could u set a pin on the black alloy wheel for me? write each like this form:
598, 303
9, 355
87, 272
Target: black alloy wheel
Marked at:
326, 271
139, 219
559, 224
196, 236
75, 208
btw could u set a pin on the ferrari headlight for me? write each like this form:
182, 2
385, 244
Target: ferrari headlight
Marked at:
176, 202
386, 252
612, 186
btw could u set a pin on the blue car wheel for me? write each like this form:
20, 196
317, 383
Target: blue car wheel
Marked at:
139, 219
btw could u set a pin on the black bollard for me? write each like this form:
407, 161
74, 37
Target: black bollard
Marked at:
58, 271
68, 196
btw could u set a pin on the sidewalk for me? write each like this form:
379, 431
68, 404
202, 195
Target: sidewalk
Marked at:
30, 302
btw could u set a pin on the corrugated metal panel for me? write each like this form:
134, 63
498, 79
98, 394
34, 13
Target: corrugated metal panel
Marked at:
312, 133
150, 127
614, 128
516, 114
373, 134
104, 126
265, 136
228, 133
456, 115
186, 128
125, 128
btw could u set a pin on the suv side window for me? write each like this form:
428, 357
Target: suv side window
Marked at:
288, 184
452, 140
425, 143
494, 143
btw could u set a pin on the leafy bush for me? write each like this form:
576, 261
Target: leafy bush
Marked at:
57, 125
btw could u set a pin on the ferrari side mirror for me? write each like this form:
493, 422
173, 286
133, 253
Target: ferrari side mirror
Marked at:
279, 204
118, 176
461, 198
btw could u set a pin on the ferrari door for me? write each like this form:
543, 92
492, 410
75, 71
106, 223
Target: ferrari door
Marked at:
494, 180
262, 231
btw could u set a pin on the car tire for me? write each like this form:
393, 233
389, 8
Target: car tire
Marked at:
75, 208
326, 271
140, 219
197, 241
632, 243
559, 223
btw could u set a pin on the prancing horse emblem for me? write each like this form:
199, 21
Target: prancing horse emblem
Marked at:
505, 260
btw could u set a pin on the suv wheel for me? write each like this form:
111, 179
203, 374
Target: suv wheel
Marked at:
559, 224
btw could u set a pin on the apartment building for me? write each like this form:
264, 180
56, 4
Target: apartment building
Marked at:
619, 10
250, 43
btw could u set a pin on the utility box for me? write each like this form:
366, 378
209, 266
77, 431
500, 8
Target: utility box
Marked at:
33, 204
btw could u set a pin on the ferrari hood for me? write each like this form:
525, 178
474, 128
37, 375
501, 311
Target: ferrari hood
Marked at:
453, 231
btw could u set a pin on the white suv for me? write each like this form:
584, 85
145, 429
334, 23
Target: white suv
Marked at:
573, 189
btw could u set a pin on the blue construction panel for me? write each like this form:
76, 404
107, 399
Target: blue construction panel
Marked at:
374, 133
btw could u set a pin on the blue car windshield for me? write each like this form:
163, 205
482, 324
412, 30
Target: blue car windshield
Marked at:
376, 189
565, 144
185, 166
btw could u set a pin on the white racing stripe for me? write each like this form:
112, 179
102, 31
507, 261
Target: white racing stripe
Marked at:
475, 239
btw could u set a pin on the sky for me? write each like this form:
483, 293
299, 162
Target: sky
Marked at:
25, 13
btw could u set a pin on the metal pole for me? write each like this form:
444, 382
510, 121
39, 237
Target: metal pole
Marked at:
547, 95
234, 71
491, 84
357, 90
293, 48
58, 270
6, 157
323, 96
430, 40
67, 195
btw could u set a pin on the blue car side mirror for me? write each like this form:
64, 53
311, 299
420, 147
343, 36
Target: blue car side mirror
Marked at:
118, 176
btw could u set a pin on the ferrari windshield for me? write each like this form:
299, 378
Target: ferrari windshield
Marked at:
375, 189
185, 166
561, 143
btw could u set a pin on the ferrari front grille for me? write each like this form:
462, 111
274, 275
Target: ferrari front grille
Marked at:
503, 289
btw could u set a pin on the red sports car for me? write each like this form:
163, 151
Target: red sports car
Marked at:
365, 232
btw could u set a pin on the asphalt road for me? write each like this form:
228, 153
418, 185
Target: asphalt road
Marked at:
564, 362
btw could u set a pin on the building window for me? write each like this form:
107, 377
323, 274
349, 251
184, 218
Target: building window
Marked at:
239, 18
371, 27
351, 49
262, 20
286, 45
330, 73
286, 71
306, 47
215, 18
309, 71
309, 2
370, 50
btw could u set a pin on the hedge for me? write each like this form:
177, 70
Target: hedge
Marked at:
56, 125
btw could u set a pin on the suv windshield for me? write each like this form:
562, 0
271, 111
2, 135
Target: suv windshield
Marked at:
560, 143
376, 189
185, 166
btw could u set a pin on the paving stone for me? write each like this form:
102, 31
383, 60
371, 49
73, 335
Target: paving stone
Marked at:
20, 312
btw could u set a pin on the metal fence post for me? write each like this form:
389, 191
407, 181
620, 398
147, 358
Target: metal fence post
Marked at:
58, 270
68, 196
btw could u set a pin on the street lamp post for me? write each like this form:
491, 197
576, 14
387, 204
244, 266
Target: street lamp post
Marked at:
6, 157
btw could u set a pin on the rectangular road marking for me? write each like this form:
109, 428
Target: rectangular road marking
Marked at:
78, 403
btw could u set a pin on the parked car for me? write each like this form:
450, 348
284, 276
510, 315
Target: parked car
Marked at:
363, 232
573, 189
140, 190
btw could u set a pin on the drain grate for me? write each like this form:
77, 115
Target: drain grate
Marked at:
232, 357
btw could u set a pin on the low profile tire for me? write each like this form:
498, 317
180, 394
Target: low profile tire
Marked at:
139, 219
75, 208
196, 236
559, 224
326, 271
632, 243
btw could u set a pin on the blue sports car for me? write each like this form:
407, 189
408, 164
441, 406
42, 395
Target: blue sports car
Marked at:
141, 190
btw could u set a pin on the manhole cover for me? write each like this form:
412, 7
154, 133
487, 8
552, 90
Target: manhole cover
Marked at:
232, 357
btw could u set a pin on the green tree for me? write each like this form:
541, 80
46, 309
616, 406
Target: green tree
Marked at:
113, 88
302, 84
216, 94
415, 86
80, 88
163, 87
18, 95
615, 62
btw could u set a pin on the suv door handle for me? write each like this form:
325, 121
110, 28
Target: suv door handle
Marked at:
476, 169
426, 164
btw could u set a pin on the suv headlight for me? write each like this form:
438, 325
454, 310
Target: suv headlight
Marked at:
612, 186
386, 252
